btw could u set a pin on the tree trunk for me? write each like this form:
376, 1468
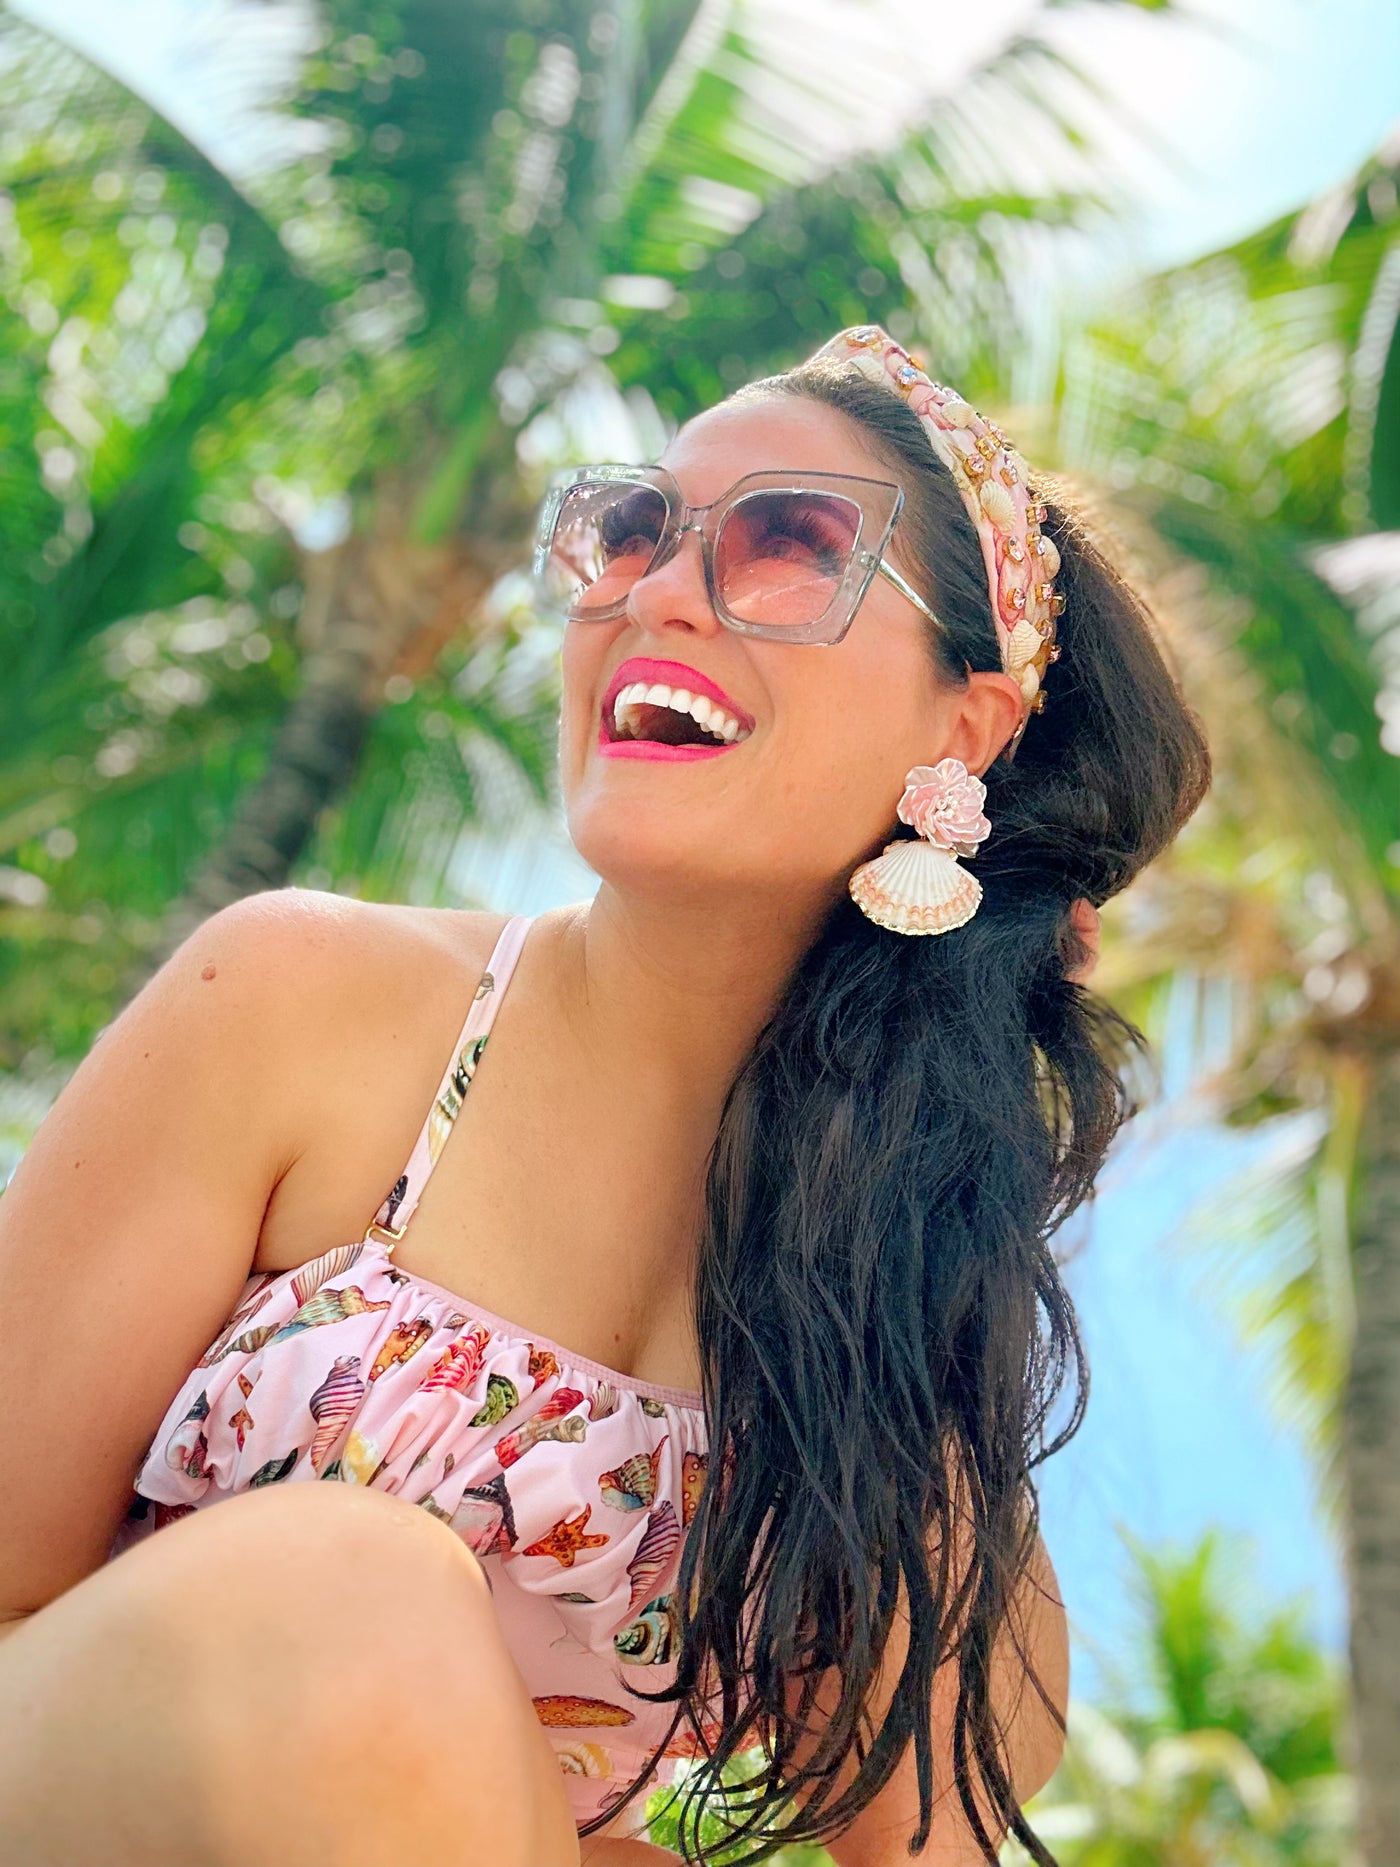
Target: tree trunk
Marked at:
1371, 1464
313, 758
374, 606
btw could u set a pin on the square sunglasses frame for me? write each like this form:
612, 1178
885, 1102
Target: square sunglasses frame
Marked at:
879, 503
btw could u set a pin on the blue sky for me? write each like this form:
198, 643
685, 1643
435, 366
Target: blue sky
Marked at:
1225, 115
1233, 114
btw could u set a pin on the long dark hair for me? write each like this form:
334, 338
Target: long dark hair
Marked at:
883, 1330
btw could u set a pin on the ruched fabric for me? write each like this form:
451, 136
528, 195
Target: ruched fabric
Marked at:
572, 1483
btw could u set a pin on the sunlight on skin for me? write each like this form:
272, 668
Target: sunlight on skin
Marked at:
615, 1853
802, 702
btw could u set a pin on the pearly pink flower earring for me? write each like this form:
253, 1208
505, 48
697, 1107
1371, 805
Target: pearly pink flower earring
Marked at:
916, 886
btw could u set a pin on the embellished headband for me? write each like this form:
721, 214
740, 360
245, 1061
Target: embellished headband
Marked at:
992, 478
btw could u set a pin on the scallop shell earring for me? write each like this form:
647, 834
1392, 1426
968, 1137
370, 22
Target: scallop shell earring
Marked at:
917, 885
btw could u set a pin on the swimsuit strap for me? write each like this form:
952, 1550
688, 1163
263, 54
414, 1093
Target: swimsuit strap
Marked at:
391, 1220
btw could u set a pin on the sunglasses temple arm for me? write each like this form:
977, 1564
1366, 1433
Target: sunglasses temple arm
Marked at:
1008, 751
887, 570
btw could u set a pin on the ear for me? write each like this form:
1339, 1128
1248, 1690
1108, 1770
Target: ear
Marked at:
985, 716
1084, 919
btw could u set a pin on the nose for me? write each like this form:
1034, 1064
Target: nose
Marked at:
674, 594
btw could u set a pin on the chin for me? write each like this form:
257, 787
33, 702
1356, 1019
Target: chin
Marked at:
634, 848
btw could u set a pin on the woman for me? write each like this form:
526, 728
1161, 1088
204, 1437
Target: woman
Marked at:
780, 1175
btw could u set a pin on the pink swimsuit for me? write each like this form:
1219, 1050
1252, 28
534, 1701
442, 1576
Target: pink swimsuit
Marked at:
572, 1483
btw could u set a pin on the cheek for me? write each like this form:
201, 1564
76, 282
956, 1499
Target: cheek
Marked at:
582, 655
862, 726
579, 652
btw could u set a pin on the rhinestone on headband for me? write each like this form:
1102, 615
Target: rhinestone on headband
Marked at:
1021, 562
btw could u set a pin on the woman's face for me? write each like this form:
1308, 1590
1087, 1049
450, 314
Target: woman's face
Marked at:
811, 790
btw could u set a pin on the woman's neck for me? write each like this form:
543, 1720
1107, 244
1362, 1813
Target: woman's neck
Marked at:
669, 998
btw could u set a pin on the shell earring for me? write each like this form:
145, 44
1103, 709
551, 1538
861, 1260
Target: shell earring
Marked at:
917, 885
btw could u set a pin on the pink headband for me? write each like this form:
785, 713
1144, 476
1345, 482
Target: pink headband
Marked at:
991, 476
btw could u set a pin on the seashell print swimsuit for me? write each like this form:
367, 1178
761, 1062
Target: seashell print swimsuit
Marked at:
572, 1483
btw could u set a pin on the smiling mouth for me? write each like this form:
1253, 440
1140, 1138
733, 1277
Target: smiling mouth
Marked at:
651, 712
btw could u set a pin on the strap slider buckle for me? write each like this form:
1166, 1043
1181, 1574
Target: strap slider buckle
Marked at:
384, 1234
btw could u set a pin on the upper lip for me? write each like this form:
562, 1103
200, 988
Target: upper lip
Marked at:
669, 674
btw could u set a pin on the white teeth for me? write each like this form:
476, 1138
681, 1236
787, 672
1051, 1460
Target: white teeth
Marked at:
700, 707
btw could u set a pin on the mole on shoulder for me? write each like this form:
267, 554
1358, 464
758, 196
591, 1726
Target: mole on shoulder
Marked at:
208, 972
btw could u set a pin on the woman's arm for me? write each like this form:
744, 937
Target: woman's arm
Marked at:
880, 1833
129, 1227
614, 1853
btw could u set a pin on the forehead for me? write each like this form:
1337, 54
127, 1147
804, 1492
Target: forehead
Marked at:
771, 432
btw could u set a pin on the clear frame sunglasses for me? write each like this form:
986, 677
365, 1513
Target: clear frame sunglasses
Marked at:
787, 555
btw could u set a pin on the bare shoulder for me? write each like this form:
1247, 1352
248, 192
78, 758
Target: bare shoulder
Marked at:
273, 1070
313, 920
321, 988
315, 945
368, 998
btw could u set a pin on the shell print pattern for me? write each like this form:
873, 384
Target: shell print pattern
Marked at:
633, 1485
330, 1264
361, 1460
694, 1465
585, 1759
188, 1446
485, 1520
333, 1406
542, 1425
570, 1483
653, 1639
448, 1105
565, 1708
502, 1397
274, 1471
261, 1293
402, 1342
397, 1194
655, 1551
542, 1365
327, 1306
460, 1362
241, 1420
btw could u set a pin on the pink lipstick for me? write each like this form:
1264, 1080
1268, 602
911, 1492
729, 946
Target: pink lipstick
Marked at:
673, 674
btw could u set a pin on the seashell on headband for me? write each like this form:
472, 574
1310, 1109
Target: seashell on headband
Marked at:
992, 478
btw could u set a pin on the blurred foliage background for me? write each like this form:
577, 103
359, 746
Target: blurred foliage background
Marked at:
272, 434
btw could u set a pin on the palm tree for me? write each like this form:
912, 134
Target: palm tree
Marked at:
1245, 412
1216, 1742
278, 482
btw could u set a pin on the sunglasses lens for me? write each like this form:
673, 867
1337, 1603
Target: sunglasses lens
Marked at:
604, 540
780, 556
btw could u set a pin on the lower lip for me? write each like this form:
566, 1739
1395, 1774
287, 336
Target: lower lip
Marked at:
648, 748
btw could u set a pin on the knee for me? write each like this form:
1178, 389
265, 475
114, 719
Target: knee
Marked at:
315, 1617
